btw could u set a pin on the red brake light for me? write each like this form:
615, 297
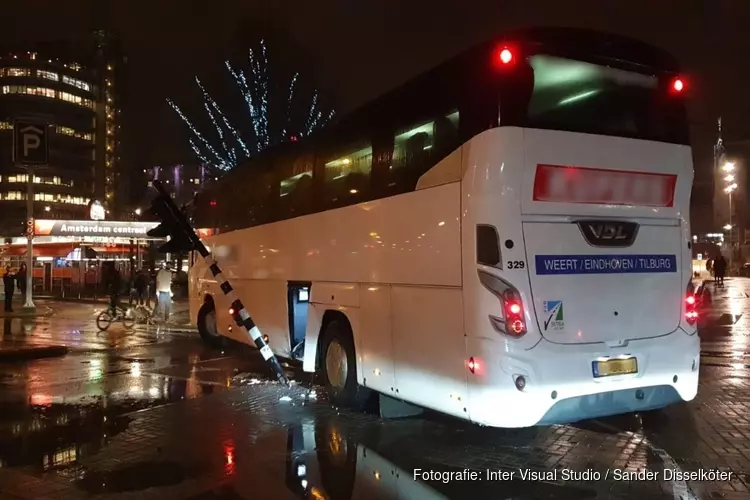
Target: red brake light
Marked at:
213, 203
506, 56
473, 365
514, 308
691, 303
678, 85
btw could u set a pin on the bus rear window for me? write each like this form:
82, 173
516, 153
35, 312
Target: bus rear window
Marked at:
583, 97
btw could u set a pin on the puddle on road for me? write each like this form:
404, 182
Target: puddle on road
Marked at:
53, 431
137, 477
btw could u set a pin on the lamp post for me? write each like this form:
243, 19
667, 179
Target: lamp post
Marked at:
729, 167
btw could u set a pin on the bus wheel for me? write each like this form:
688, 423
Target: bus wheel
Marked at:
207, 326
339, 365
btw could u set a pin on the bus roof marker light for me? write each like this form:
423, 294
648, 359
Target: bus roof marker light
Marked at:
506, 56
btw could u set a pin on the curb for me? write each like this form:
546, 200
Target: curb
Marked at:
32, 352
48, 311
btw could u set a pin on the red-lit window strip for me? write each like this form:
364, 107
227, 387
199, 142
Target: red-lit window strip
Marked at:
566, 184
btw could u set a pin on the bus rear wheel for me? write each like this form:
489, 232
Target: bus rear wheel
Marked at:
207, 328
339, 365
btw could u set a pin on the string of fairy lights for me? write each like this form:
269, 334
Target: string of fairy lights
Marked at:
231, 147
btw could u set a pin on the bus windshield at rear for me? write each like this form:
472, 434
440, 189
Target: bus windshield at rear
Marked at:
578, 96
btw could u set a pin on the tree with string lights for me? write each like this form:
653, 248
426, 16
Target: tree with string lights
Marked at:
230, 145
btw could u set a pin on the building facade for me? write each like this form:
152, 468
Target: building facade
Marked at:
74, 88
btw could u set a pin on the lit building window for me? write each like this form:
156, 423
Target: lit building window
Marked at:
49, 75
23, 178
74, 133
46, 92
76, 83
12, 195
16, 72
6, 126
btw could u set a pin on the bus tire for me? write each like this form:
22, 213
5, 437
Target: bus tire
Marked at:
207, 326
339, 366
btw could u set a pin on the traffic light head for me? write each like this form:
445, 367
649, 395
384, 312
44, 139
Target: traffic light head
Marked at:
174, 225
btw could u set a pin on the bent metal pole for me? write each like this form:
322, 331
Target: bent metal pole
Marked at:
240, 314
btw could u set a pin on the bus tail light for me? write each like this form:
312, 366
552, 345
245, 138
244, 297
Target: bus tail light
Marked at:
691, 306
512, 320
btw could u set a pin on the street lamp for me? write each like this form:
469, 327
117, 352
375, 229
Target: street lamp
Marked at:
729, 178
137, 211
728, 166
729, 190
727, 227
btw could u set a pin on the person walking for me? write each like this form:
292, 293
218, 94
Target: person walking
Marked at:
9, 284
164, 292
720, 269
21, 279
140, 285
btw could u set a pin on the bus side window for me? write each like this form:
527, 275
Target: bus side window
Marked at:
346, 175
488, 246
296, 186
420, 147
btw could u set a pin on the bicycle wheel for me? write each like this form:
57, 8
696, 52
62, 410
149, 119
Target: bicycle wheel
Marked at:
128, 318
104, 320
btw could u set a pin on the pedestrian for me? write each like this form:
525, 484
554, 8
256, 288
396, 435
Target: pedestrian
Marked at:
21, 279
164, 291
9, 284
140, 284
720, 269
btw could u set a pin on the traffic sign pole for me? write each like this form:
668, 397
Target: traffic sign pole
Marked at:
30, 147
30, 238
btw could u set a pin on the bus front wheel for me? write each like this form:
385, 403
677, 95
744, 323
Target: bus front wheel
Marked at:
339, 365
207, 326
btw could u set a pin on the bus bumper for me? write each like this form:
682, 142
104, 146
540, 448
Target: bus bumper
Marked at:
560, 386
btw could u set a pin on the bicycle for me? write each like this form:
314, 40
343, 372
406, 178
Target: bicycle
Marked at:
144, 314
121, 315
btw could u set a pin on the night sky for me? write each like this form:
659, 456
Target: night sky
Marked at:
354, 50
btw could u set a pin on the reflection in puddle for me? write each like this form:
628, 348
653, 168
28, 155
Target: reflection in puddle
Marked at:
53, 436
137, 477
325, 463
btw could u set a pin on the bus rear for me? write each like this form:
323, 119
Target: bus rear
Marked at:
578, 294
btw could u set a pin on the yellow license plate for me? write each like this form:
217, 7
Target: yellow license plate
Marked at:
619, 366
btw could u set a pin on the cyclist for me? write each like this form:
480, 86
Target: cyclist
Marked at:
114, 289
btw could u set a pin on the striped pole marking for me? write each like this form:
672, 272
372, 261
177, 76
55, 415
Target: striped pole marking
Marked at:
177, 218
244, 317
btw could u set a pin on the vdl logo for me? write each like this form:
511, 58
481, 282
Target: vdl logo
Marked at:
553, 309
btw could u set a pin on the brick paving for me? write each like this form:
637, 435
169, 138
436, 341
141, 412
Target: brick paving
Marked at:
234, 444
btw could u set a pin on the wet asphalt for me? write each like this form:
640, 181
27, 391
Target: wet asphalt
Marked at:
152, 413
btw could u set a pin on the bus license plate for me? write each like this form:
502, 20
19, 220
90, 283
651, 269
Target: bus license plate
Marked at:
612, 367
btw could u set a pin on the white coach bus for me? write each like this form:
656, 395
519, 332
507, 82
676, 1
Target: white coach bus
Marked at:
504, 239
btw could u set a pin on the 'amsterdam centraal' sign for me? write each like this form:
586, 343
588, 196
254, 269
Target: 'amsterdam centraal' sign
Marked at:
44, 227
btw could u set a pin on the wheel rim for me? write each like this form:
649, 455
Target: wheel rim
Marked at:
211, 324
337, 366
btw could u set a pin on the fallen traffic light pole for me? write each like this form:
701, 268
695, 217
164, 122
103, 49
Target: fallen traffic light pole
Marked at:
174, 223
